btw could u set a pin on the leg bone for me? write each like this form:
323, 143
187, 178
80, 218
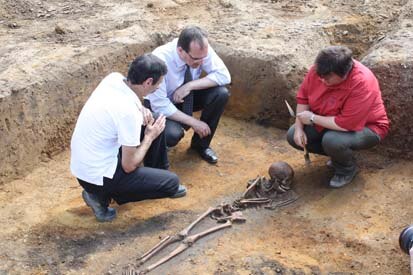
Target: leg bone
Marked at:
168, 240
182, 247
156, 246
185, 231
161, 245
189, 241
192, 239
234, 217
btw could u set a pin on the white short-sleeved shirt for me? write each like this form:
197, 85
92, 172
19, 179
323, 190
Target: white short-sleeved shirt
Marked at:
161, 99
110, 118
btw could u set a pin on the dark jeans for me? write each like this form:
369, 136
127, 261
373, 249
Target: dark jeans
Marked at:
337, 145
150, 182
212, 102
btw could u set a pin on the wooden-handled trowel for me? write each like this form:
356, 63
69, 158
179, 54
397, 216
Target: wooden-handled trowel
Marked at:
306, 154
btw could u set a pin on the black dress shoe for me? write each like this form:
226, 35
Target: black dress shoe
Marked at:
207, 154
338, 181
101, 211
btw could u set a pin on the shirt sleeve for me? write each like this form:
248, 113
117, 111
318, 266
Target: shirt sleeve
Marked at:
354, 113
129, 129
302, 94
216, 69
160, 103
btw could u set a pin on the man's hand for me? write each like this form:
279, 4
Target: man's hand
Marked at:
154, 129
147, 116
300, 137
181, 93
305, 117
201, 128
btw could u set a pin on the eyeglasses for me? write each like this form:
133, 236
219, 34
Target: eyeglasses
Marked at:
195, 58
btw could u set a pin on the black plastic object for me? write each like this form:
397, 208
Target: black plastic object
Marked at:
406, 239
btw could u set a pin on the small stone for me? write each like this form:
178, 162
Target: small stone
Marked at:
226, 4
149, 5
59, 30
13, 25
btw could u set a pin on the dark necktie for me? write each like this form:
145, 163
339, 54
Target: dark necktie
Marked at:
188, 104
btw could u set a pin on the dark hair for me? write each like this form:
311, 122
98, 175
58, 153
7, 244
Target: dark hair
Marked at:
334, 59
146, 66
190, 34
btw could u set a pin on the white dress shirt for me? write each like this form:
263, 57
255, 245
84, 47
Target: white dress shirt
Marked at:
111, 118
162, 99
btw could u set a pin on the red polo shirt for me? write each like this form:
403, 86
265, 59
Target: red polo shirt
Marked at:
355, 103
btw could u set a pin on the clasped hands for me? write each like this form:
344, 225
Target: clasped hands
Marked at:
154, 127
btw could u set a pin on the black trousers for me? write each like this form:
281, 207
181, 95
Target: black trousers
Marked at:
337, 145
212, 102
150, 182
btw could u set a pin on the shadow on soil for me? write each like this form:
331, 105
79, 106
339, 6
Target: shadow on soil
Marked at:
70, 249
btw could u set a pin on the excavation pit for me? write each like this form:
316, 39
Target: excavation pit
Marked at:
47, 74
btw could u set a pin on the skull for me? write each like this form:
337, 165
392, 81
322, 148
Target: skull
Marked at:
281, 175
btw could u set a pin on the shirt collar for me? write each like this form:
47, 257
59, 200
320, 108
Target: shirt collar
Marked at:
130, 93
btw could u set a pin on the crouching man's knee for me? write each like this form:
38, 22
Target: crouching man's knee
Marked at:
222, 94
173, 133
290, 138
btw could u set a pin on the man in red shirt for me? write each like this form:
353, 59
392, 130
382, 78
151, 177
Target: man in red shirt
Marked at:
339, 109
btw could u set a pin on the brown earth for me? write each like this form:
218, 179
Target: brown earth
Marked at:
47, 229
52, 55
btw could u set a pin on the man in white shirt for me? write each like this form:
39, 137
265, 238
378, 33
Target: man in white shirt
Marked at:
118, 149
186, 58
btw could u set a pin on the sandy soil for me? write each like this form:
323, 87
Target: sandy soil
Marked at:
54, 52
47, 229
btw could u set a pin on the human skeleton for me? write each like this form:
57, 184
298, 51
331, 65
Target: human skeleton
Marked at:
272, 193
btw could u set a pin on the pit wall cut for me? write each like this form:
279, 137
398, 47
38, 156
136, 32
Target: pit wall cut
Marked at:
37, 121
45, 112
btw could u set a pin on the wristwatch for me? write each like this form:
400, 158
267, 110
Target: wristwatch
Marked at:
312, 119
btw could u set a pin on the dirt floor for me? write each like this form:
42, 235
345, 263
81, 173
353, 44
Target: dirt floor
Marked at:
54, 52
47, 229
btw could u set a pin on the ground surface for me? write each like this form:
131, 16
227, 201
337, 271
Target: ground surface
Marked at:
48, 229
54, 52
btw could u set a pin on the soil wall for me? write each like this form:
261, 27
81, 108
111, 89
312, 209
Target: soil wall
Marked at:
37, 120
260, 84
392, 62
